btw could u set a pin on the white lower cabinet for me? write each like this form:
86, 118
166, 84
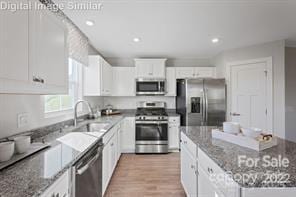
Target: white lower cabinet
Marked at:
128, 135
213, 181
205, 186
60, 188
201, 176
188, 169
110, 156
174, 133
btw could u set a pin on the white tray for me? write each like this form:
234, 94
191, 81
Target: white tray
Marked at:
244, 141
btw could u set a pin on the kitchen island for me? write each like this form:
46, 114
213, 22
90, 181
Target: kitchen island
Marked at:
269, 173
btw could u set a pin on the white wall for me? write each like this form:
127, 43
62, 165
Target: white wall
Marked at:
131, 102
290, 62
276, 50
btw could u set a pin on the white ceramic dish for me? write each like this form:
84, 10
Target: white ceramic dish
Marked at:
251, 132
231, 127
6, 150
22, 144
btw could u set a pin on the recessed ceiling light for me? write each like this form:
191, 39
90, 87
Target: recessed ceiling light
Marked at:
215, 40
137, 39
90, 23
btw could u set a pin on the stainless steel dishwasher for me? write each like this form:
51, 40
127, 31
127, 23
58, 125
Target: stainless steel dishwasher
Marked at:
87, 174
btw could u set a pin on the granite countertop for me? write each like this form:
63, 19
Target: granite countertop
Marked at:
172, 113
33, 175
226, 155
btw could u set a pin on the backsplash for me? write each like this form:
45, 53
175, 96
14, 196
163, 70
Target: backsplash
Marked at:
131, 102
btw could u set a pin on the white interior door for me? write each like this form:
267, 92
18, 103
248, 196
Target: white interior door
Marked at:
250, 94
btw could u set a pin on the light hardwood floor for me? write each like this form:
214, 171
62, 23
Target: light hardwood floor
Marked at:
147, 176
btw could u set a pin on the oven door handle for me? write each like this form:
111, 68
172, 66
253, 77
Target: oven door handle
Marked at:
151, 122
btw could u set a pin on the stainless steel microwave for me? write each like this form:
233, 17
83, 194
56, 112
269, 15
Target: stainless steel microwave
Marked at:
150, 86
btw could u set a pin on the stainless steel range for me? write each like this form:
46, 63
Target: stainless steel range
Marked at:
151, 128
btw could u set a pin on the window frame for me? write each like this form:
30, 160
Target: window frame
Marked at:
78, 93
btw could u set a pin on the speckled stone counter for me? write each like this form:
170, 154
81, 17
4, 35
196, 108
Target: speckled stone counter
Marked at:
226, 155
32, 176
172, 113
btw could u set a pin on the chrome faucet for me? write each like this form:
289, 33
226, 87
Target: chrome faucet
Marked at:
75, 110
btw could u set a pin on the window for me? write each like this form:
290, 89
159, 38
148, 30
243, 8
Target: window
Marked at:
58, 103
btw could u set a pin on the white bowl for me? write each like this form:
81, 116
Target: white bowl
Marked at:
251, 132
6, 150
231, 127
22, 144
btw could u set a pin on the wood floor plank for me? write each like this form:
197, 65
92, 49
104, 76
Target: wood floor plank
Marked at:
146, 176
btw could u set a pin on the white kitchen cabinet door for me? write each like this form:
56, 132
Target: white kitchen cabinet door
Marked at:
205, 72
144, 69
205, 186
128, 135
14, 56
48, 52
174, 133
107, 79
159, 68
118, 141
113, 158
97, 77
106, 167
92, 77
195, 72
185, 72
60, 187
123, 81
188, 172
150, 68
171, 81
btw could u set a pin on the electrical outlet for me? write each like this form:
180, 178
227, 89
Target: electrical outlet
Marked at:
22, 120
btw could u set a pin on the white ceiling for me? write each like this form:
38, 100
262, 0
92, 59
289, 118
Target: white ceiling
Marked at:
184, 28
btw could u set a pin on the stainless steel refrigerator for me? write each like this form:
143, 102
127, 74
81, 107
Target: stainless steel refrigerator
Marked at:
201, 102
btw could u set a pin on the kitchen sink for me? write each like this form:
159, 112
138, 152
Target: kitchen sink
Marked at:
97, 127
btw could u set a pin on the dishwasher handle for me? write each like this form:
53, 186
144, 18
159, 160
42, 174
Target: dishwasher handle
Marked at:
81, 170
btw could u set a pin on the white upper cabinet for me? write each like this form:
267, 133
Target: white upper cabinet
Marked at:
107, 78
171, 81
33, 52
150, 68
97, 77
124, 81
48, 51
195, 72
14, 44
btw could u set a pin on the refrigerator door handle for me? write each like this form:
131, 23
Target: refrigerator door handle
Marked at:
203, 108
206, 105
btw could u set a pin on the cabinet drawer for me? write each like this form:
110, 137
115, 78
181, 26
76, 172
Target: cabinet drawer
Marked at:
175, 120
217, 176
188, 144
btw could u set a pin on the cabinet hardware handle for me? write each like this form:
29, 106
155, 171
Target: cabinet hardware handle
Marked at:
41, 80
36, 79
